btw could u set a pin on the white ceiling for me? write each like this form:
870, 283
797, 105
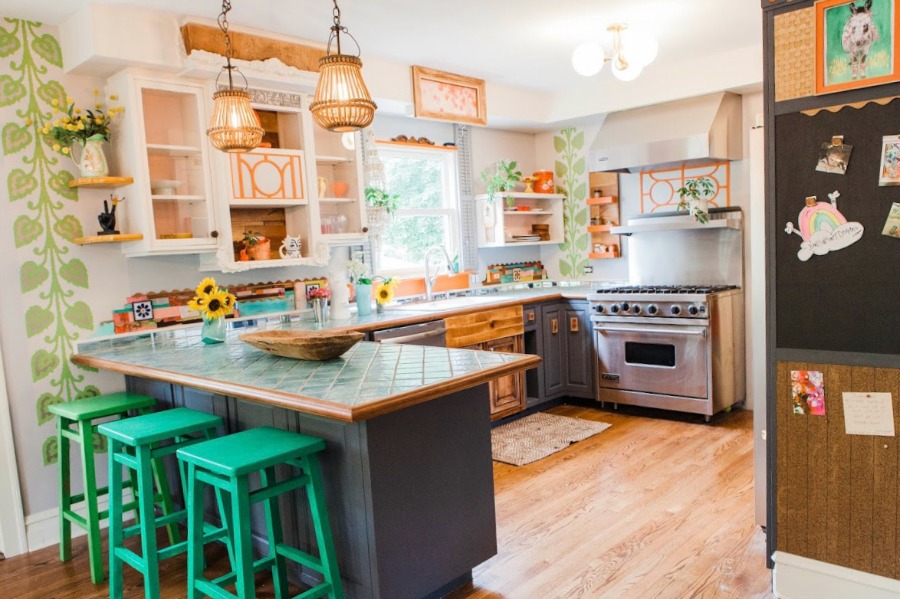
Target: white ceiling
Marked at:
522, 43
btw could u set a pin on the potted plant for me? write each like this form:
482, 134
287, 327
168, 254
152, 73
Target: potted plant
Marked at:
504, 178
380, 206
694, 196
257, 246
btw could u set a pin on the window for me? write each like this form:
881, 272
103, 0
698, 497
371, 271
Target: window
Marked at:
428, 214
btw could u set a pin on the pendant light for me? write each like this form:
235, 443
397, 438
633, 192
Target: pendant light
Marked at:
234, 125
342, 101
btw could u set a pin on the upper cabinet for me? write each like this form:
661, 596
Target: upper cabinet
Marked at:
299, 190
518, 218
161, 141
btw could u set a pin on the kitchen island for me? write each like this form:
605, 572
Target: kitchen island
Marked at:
407, 467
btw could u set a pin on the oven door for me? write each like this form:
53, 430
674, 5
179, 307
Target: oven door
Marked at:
666, 359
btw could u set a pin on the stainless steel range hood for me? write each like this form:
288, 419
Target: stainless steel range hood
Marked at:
679, 133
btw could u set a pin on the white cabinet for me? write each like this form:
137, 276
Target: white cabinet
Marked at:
513, 219
161, 141
302, 184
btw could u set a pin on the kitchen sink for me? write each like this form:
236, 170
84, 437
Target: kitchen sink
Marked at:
453, 303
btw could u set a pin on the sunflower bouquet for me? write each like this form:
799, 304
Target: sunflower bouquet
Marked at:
212, 301
74, 124
385, 292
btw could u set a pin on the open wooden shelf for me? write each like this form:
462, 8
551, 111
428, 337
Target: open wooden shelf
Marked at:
602, 255
601, 201
408, 144
599, 228
91, 239
101, 182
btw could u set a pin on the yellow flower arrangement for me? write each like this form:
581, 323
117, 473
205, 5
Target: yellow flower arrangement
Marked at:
211, 301
385, 293
75, 124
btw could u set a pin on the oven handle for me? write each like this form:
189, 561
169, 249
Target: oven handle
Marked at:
675, 330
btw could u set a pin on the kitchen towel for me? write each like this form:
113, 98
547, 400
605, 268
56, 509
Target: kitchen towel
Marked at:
538, 435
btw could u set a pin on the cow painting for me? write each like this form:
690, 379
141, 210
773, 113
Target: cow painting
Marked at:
858, 36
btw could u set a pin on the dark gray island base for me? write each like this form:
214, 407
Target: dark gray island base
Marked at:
407, 465
410, 493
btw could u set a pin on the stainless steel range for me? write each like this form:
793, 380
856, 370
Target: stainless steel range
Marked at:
677, 346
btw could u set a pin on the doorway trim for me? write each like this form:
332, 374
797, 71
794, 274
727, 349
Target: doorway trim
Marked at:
13, 540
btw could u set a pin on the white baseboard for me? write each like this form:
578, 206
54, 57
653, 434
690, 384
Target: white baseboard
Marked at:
798, 577
42, 528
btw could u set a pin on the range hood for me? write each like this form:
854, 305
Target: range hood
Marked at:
686, 132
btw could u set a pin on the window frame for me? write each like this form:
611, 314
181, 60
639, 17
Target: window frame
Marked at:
451, 196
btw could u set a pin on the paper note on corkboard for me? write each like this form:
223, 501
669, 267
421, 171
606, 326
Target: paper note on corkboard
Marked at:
869, 414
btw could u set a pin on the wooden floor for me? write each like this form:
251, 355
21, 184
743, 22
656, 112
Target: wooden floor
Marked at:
652, 507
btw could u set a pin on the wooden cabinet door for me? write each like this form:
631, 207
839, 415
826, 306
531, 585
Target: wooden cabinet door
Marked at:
552, 316
507, 393
578, 352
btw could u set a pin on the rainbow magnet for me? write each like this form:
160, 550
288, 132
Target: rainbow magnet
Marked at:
823, 228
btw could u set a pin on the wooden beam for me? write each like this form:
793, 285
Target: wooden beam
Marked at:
250, 47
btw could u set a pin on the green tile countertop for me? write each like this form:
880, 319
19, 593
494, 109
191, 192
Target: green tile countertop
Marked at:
369, 380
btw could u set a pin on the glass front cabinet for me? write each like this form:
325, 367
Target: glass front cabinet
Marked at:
161, 142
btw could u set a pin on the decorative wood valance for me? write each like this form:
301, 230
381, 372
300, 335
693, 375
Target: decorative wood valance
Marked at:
251, 47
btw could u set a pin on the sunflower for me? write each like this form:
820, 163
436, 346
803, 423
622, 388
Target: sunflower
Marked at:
217, 304
206, 287
385, 293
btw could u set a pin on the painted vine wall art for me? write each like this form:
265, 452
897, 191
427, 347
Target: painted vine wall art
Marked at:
571, 180
51, 280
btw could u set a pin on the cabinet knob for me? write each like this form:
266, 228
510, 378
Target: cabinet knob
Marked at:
554, 326
214, 234
573, 324
365, 229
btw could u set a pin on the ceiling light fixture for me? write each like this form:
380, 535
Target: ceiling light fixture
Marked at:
632, 51
234, 126
342, 101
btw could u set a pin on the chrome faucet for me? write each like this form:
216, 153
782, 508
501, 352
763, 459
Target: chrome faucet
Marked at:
429, 277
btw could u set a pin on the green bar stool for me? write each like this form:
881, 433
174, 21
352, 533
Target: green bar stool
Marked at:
75, 422
226, 464
137, 443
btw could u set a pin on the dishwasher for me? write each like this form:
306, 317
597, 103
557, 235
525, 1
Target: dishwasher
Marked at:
427, 333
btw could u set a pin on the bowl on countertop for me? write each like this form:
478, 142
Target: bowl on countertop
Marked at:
304, 345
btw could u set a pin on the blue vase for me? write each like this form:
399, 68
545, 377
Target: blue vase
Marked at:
213, 330
363, 299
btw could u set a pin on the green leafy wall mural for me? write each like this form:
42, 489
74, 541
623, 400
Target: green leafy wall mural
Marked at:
37, 185
571, 180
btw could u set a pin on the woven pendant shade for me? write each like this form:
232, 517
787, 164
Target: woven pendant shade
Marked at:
234, 125
342, 101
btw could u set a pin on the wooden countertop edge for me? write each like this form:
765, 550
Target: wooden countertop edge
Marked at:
311, 405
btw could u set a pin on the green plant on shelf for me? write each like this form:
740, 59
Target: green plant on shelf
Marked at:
504, 178
693, 197
379, 198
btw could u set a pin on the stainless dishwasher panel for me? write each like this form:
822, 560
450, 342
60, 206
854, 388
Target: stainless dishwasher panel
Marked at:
427, 333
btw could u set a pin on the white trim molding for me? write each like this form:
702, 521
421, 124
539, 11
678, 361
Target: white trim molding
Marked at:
798, 577
43, 527
13, 539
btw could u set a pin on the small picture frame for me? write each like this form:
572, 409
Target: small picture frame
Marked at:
889, 168
448, 97
856, 44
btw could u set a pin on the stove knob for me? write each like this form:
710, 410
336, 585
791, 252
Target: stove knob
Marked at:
652, 309
693, 310
614, 308
625, 306
598, 309
676, 310
635, 309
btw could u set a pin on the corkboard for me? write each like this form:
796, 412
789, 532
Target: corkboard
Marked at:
795, 54
837, 494
246, 46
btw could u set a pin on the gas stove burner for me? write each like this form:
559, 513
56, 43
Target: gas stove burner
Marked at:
695, 289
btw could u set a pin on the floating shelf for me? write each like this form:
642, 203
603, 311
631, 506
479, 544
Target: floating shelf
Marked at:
602, 255
685, 225
529, 212
605, 200
599, 228
408, 144
337, 200
101, 182
91, 239
332, 159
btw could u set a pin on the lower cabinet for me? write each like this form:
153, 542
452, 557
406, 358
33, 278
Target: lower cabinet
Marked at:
568, 352
499, 329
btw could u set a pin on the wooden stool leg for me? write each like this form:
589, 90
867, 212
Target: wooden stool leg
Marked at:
116, 539
95, 549
240, 517
319, 511
65, 490
148, 523
195, 561
273, 526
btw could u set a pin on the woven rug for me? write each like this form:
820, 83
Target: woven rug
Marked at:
538, 435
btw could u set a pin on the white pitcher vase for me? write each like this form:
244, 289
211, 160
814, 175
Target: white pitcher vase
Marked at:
92, 161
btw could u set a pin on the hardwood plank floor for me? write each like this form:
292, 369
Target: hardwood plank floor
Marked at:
654, 507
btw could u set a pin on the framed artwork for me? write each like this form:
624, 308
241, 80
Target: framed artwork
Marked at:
856, 44
448, 97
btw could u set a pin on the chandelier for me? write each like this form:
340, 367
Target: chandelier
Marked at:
234, 126
342, 101
632, 51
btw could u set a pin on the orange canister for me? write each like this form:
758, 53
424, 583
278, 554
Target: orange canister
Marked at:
543, 182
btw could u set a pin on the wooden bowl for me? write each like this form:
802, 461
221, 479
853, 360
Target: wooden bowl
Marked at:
304, 345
